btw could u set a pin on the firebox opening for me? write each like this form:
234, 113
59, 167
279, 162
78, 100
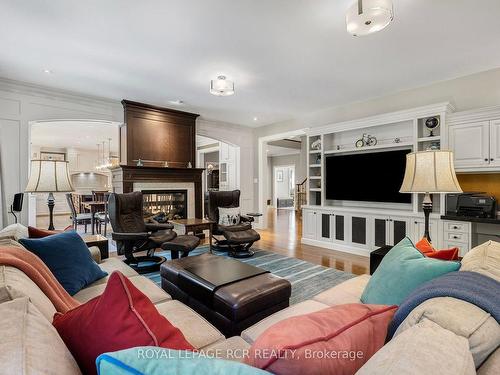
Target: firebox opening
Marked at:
165, 205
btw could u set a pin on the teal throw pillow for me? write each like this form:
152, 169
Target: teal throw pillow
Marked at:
152, 360
402, 270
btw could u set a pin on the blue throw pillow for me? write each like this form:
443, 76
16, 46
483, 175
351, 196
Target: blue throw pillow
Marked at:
152, 360
402, 270
69, 259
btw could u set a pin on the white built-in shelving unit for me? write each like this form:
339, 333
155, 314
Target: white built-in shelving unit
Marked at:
335, 224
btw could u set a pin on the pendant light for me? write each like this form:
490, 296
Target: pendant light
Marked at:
369, 16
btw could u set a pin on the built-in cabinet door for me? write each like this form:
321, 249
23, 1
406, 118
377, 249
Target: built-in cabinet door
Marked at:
495, 143
359, 230
470, 144
324, 225
399, 228
380, 231
419, 230
309, 224
340, 228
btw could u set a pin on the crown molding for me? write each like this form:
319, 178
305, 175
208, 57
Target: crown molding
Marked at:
385, 118
46, 92
481, 114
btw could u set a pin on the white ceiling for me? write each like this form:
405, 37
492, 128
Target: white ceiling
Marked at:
83, 135
287, 57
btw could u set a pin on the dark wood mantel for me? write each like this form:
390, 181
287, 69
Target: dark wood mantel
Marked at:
157, 134
124, 177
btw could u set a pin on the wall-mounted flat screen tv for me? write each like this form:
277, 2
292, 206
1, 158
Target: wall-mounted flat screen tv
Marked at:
367, 176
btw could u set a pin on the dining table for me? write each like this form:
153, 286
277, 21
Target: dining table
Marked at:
94, 207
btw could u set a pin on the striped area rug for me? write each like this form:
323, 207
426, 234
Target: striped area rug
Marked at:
307, 279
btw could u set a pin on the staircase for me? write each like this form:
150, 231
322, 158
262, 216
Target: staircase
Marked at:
300, 196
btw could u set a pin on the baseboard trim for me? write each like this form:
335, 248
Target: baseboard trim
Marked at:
336, 246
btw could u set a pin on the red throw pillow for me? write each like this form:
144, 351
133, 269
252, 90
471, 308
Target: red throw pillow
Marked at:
121, 318
426, 248
337, 340
41, 233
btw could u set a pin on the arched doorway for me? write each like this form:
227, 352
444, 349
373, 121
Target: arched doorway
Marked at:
89, 146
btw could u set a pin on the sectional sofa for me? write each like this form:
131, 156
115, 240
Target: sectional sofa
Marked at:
454, 331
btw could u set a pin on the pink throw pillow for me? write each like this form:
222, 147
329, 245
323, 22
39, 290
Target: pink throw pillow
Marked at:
337, 340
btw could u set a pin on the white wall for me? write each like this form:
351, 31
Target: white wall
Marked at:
22, 103
282, 188
470, 92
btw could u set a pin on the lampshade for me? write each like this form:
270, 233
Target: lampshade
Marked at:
430, 172
49, 176
369, 16
221, 86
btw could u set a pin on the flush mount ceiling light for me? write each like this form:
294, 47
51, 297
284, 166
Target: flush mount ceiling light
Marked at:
221, 86
369, 16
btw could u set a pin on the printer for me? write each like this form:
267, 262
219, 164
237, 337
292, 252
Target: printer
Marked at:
471, 204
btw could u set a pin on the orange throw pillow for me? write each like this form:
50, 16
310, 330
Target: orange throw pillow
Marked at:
337, 340
426, 248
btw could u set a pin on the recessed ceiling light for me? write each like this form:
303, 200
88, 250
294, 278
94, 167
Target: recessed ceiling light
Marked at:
47, 71
176, 102
255, 118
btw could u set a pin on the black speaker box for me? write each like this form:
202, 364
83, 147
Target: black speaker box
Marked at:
17, 205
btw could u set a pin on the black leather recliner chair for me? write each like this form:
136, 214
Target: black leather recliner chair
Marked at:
239, 238
132, 234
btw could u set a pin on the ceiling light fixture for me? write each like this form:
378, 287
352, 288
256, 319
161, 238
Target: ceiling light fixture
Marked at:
176, 102
221, 86
369, 16
47, 71
255, 118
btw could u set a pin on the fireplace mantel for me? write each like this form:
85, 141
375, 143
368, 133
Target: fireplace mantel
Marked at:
124, 177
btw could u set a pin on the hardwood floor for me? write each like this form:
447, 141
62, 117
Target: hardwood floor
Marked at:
283, 236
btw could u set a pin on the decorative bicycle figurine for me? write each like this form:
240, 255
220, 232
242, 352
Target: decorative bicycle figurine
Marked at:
366, 140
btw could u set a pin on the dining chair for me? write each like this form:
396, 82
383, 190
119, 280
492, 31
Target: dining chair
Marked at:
101, 218
76, 218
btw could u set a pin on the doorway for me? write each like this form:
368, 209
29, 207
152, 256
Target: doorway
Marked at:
283, 186
90, 147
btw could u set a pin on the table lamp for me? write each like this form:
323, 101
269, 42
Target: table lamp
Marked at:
49, 176
430, 172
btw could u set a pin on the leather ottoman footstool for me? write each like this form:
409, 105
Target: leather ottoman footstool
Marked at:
239, 242
181, 244
228, 293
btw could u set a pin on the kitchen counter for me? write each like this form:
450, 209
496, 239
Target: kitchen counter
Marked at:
472, 219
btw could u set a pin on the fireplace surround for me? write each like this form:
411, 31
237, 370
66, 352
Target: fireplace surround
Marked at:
127, 178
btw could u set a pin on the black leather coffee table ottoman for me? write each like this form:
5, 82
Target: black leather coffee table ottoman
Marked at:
230, 294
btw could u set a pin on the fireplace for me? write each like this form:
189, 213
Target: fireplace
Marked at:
164, 205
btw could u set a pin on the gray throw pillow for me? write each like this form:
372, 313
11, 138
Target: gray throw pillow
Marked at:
229, 216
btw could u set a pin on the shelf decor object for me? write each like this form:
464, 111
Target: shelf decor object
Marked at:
430, 172
431, 123
49, 176
316, 145
369, 16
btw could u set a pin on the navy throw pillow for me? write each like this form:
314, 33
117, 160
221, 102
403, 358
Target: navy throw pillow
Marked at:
69, 259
